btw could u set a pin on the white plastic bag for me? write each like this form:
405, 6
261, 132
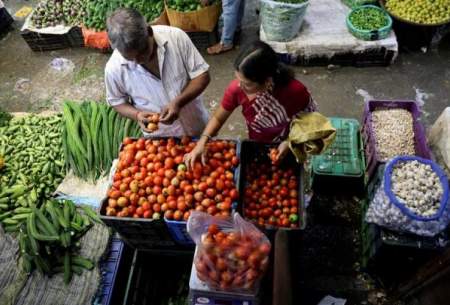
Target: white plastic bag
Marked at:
232, 254
439, 136
282, 21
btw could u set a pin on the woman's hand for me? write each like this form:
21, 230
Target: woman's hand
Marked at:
199, 151
283, 150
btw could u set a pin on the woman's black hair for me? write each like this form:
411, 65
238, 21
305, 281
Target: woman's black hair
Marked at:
258, 61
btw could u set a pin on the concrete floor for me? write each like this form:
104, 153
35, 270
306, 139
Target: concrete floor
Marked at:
28, 83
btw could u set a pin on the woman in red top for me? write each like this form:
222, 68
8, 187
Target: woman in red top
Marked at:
269, 95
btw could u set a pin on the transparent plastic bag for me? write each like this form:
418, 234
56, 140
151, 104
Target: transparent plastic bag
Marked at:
388, 211
282, 21
232, 255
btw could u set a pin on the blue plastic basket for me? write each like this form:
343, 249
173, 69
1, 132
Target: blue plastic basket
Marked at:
388, 187
178, 229
109, 268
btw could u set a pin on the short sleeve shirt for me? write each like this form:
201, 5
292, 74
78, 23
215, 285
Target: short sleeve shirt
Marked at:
268, 116
179, 62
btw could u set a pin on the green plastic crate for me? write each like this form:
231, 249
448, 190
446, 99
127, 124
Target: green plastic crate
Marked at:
345, 157
378, 34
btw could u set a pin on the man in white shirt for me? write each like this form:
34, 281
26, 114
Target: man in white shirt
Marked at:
155, 69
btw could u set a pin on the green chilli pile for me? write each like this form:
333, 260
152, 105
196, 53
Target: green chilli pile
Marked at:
92, 136
97, 11
49, 238
368, 19
33, 164
423, 11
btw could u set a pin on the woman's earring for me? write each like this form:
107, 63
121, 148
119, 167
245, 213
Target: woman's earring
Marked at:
269, 86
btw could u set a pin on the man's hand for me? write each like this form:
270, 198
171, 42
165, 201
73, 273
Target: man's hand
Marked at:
169, 113
142, 119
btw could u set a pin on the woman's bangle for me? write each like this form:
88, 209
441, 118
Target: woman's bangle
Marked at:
207, 136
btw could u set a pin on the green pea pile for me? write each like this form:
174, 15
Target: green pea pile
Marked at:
368, 19
420, 11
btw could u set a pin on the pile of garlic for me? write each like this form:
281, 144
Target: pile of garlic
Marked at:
394, 133
418, 187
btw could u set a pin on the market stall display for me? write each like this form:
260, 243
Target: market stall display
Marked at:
92, 135
97, 11
151, 182
384, 250
49, 238
34, 163
369, 22
231, 254
324, 39
426, 12
413, 197
392, 128
282, 20
49, 13
273, 195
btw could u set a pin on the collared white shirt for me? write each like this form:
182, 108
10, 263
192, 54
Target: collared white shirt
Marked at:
179, 61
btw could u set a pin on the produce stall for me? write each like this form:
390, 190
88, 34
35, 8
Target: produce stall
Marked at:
163, 210
324, 39
59, 24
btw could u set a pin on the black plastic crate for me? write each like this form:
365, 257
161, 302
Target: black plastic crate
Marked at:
255, 151
369, 58
203, 40
139, 233
5, 20
114, 268
47, 42
155, 277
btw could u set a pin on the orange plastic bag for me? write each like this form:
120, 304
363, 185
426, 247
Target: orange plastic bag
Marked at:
97, 40
232, 254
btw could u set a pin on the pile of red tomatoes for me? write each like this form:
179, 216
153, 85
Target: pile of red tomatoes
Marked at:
271, 196
151, 180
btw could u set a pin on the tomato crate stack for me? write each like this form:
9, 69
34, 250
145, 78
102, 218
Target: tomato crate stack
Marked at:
342, 165
272, 196
369, 133
152, 193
